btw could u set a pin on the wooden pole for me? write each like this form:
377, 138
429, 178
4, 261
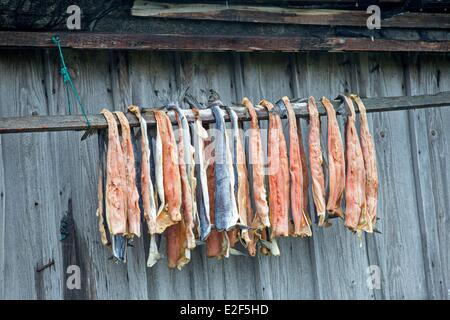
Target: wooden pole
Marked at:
77, 122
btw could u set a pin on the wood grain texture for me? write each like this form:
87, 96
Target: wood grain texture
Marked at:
40, 174
280, 15
213, 43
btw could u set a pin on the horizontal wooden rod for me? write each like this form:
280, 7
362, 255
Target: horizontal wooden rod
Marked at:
77, 122
280, 15
215, 43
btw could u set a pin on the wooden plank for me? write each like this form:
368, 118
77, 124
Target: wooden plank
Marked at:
77, 122
420, 79
148, 41
34, 219
398, 250
280, 15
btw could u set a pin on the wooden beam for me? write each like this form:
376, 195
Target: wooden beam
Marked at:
280, 15
77, 123
145, 41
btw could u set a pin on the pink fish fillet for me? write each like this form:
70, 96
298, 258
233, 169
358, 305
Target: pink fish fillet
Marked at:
370, 164
355, 193
301, 223
133, 212
316, 162
278, 173
336, 162
116, 182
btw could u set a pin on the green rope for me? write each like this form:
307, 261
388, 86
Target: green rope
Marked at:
68, 82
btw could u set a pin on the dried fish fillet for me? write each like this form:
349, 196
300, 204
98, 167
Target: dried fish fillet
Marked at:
216, 243
116, 204
184, 148
316, 161
115, 194
370, 165
241, 189
261, 219
278, 173
199, 136
336, 162
147, 191
171, 173
355, 194
224, 209
302, 226
132, 194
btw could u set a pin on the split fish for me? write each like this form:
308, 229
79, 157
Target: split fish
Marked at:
278, 173
241, 187
147, 191
185, 165
116, 202
225, 211
302, 224
336, 163
316, 162
370, 164
132, 194
355, 193
170, 184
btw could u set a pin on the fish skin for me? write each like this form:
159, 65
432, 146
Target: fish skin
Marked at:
222, 200
115, 203
355, 194
302, 226
336, 162
172, 189
241, 188
370, 164
147, 190
261, 219
200, 135
316, 162
100, 213
216, 245
278, 173
133, 210
184, 147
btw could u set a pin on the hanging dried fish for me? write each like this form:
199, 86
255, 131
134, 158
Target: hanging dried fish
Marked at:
355, 193
278, 173
370, 165
115, 194
185, 165
261, 219
200, 135
169, 187
302, 225
226, 215
132, 194
241, 188
217, 244
336, 162
147, 191
316, 161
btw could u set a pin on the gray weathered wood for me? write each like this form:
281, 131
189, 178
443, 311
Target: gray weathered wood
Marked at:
280, 15
40, 174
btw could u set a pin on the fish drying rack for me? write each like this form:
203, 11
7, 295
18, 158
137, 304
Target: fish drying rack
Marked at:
97, 121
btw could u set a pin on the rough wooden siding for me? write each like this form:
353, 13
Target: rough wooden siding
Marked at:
48, 175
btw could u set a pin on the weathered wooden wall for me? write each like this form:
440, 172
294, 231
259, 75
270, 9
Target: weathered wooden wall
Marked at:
48, 175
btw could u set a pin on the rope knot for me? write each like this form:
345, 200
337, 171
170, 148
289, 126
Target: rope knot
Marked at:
65, 73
